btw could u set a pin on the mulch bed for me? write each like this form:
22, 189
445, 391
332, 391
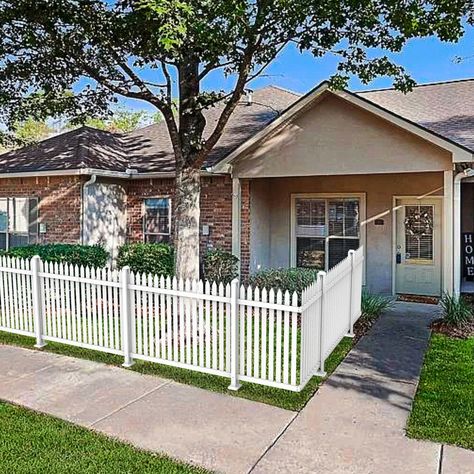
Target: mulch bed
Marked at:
418, 299
460, 332
362, 327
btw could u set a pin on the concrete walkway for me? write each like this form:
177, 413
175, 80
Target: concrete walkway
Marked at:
219, 432
354, 424
356, 421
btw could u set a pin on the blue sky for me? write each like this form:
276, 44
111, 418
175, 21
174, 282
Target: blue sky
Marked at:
427, 60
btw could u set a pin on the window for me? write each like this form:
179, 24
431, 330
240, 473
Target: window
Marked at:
157, 220
419, 233
325, 230
18, 222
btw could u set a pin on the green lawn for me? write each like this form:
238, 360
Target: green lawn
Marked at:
272, 396
31, 442
443, 410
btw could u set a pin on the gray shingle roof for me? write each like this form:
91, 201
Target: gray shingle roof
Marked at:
444, 108
84, 147
147, 149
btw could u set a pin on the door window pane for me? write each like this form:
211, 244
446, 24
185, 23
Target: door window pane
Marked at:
419, 233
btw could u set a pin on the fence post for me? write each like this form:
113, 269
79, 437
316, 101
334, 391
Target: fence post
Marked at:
125, 317
37, 301
234, 335
350, 332
321, 372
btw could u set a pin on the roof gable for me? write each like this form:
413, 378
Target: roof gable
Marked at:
337, 137
460, 152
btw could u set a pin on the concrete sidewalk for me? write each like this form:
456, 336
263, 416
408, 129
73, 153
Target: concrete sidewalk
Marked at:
356, 422
219, 432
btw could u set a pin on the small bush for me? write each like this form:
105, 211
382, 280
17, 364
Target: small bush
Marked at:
456, 310
75, 254
155, 259
291, 279
373, 305
220, 266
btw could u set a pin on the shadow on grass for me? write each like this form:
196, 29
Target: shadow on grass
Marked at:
286, 399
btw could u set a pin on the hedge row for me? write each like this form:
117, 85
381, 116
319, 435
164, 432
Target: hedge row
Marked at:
158, 259
86, 255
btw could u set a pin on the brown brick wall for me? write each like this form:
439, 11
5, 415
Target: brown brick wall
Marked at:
245, 243
60, 208
59, 203
216, 208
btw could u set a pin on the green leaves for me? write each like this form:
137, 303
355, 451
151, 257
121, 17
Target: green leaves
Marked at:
154, 259
140, 49
87, 255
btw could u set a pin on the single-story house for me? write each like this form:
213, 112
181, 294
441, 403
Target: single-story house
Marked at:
294, 181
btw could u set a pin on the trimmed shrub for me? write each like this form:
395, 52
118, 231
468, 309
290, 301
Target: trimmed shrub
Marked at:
291, 279
220, 266
154, 259
374, 305
75, 254
456, 310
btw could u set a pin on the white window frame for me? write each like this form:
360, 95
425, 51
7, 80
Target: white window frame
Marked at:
170, 206
8, 233
362, 217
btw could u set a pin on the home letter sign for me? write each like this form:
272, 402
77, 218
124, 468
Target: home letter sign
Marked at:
468, 255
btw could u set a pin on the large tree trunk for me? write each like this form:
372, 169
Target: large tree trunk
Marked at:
188, 192
188, 177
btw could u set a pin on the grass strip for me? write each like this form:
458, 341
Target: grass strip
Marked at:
443, 410
33, 442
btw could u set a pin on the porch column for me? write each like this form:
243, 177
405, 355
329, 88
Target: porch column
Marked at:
448, 231
236, 218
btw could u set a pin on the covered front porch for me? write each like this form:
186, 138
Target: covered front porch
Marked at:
335, 172
313, 221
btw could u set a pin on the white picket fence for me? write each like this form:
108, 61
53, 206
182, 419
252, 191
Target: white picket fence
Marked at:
246, 334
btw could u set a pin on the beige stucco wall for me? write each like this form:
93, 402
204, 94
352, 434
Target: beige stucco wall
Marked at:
336, 137
270, 215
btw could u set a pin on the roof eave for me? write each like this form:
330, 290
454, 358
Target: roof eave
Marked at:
97, 172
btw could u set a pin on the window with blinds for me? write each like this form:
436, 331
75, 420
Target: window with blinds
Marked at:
325, 230
18, 222
157, 220
419, 235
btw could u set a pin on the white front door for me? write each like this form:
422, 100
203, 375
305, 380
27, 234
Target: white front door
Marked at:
418, 246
